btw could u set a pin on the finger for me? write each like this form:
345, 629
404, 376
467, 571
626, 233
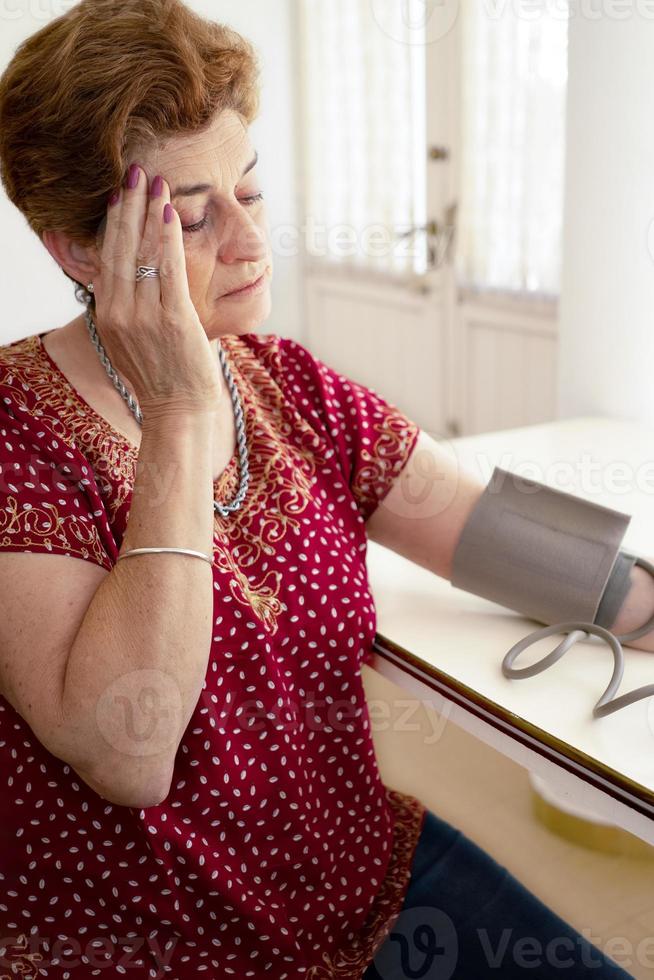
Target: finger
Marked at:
131, 224
104, 281
175, 294
149, 253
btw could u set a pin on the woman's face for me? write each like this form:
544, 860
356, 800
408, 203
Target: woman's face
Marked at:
224, 221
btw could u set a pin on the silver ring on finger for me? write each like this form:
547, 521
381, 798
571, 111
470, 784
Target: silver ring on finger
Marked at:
146, 272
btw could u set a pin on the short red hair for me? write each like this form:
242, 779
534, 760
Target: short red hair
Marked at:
81, 94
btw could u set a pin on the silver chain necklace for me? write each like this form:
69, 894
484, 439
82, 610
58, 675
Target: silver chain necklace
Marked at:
223, 509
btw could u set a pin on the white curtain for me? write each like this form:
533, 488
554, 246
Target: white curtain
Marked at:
514, 74
363, 132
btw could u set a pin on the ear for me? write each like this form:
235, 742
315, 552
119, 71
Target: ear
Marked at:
79, 261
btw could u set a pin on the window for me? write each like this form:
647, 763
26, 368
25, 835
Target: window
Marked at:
363, 127
514, 75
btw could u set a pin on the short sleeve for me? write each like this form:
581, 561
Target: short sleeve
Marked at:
49, 501
373, 439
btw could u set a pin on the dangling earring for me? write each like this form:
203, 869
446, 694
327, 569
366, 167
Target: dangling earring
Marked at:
90, 287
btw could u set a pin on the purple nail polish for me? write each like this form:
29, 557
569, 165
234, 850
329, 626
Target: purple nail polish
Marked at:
169, 213
114, 199
133, 176
157, 187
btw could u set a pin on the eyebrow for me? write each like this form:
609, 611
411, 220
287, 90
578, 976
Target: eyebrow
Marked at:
190, 190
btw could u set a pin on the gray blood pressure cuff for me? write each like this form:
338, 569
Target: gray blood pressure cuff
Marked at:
550, 555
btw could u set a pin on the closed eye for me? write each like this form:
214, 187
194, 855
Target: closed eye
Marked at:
248, 201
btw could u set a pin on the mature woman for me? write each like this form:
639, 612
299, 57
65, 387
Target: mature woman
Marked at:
191, 780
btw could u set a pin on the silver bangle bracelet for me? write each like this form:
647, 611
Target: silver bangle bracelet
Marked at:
180, 551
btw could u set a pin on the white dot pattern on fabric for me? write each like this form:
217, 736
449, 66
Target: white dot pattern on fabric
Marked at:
278, 850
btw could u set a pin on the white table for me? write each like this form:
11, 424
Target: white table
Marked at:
446, 646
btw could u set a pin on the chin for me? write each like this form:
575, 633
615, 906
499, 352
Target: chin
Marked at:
249, 319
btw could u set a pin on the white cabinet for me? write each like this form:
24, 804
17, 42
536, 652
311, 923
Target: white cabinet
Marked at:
384, 336
503, 365
477, 365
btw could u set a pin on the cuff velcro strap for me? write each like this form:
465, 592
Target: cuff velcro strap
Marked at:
616, 590
542, 552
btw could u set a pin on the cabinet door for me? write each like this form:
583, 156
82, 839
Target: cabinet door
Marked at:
504, 368
385, 336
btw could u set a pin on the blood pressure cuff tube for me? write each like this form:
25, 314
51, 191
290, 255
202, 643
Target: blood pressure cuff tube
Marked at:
549, 555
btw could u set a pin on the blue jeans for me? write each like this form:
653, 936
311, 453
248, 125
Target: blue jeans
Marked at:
465, 916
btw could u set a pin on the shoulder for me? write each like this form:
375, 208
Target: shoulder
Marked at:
19, 359
287, 358
272, 349
285, 361
49, 498
15, 350
26, 383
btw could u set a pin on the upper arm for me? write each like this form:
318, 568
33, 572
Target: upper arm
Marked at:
56, 548
44, 601
424, 512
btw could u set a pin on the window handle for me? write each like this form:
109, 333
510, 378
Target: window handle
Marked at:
440, 237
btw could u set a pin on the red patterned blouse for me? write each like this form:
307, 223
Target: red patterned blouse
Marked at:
278, 851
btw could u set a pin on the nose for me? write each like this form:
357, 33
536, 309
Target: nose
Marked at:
241, 238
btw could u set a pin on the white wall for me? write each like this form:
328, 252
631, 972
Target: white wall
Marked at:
36, 294
607, 304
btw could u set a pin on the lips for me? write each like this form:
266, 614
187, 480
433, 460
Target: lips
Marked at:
243, 285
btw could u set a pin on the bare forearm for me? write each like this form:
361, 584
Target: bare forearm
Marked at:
136, 668
637, 608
